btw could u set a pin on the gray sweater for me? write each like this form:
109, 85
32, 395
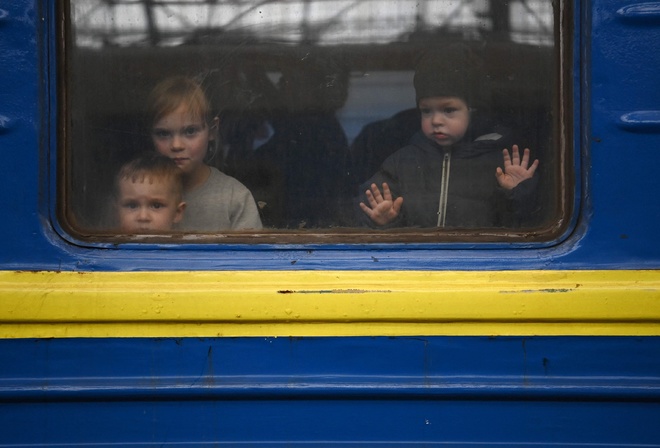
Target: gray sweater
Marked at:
221, 203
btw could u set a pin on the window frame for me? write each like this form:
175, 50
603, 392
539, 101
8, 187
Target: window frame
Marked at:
566, 169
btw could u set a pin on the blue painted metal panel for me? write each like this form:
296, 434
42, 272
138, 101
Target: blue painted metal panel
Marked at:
623, 77
547, 390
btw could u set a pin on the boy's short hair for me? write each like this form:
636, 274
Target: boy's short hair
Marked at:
453, 71
152, 165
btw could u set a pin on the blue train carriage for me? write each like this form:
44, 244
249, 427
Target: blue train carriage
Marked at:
542, 337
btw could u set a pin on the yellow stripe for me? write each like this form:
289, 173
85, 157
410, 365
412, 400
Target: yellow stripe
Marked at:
328, 303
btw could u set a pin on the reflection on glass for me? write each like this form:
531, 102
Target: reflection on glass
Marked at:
311, 96
323, 22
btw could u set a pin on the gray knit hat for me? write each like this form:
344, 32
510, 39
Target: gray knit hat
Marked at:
453, 71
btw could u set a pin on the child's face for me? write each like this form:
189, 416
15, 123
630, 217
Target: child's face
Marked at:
183, 138
445, 119
148, 205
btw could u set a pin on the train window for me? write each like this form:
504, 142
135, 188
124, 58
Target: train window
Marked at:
315, 120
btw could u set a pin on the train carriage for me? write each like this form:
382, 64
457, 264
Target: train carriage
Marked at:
330, 335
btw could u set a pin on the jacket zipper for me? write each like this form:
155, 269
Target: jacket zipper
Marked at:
444, 190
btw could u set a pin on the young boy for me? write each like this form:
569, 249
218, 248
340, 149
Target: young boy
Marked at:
148, 194
449, 175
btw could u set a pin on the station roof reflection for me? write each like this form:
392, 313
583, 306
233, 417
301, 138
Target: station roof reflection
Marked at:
120, 23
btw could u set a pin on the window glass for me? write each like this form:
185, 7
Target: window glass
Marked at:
304, 105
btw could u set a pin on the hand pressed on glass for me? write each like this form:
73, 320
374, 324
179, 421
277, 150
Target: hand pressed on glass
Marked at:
516, 169
382, 208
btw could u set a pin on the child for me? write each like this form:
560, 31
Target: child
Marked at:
183, 129
449, 175
148, 194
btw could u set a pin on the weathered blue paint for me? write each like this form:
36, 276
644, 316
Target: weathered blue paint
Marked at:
387, 391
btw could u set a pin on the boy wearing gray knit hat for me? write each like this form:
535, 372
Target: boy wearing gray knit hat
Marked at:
448, 176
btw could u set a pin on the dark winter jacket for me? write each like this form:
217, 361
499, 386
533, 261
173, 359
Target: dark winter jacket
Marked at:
473, 199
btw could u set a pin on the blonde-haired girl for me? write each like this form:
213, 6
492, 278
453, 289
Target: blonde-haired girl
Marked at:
183, 128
